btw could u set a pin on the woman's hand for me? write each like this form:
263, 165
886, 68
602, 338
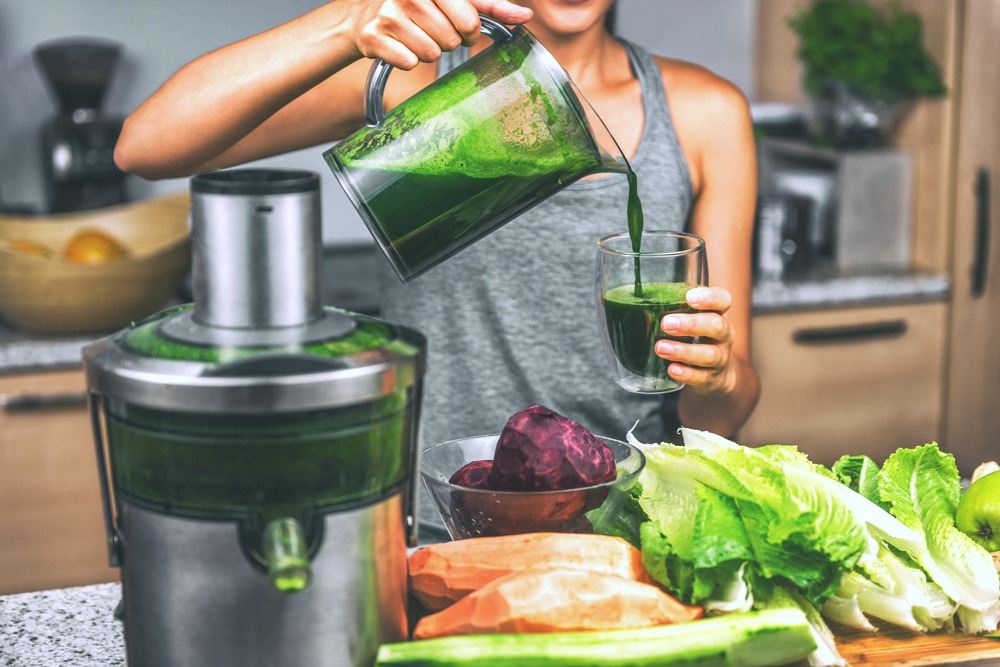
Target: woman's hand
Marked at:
296, 85
705, 366
406, 32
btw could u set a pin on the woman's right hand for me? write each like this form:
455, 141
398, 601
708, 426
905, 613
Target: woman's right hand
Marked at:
296, 85
406, 32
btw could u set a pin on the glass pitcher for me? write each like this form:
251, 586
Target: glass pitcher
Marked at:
478, 147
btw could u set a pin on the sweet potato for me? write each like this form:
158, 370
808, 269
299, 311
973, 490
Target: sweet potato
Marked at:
441, 574
556, 601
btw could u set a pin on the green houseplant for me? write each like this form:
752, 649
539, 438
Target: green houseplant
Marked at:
864, 68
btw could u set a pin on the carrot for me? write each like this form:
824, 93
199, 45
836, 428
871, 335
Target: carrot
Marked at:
556, 601
441, 574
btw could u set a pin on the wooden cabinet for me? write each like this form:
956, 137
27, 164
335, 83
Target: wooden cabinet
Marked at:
860, 380
51, 522
973, 415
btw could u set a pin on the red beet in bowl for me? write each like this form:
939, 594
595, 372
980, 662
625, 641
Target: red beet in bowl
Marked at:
474, 512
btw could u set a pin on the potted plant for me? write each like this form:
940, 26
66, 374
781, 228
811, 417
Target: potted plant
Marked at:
863, 68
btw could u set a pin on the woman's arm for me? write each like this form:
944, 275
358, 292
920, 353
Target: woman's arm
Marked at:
293, 86
714, 126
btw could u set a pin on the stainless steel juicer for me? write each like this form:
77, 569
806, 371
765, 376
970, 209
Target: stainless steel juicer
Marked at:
258, 450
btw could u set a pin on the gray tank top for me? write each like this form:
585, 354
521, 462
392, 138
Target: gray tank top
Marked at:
512, 319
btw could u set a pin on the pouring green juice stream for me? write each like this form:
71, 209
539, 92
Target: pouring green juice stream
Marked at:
635, 224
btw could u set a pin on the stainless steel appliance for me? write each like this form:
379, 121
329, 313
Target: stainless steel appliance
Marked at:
258, 449
78, 143
782, 244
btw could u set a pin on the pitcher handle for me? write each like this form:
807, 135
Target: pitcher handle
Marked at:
379, 73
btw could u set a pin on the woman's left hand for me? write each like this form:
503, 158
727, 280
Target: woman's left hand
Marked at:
704, 366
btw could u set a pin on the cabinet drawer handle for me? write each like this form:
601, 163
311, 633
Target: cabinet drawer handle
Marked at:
851, 333
29, 402
981, 252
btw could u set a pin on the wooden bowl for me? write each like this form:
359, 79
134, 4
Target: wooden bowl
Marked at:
48, 293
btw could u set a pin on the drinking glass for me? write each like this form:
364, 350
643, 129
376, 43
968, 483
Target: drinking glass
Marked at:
634, 291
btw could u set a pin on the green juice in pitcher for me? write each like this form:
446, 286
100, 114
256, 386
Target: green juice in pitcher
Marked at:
427, 217
459, 159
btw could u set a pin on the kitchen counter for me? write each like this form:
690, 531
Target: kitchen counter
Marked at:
349, 282
72, 627
75, 627
825, 288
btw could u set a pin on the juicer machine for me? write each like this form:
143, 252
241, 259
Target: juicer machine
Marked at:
257, 449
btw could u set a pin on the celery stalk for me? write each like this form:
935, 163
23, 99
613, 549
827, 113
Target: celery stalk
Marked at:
750, 639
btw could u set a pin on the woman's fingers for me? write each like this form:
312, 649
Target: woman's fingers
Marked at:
407, 32
710, 298
504, 11
701, 365
404, 32
702, 355
463, 18
709, 325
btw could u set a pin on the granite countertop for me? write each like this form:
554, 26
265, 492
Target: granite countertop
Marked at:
826, 287
349, 281
71, 627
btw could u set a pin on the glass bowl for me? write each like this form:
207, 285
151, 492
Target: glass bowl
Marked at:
468, 512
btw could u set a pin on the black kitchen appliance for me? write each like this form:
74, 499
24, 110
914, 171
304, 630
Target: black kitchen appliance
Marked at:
78, 142
781, 244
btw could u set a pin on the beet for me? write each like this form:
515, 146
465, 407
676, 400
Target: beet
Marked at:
472, 475
540, 450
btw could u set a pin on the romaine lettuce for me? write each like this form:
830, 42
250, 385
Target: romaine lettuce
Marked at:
923, 487
730, 527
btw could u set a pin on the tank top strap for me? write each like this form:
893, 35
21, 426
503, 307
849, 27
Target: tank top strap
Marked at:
654, 95
658, 130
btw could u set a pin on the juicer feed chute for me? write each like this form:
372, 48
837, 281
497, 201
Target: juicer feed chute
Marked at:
257, 449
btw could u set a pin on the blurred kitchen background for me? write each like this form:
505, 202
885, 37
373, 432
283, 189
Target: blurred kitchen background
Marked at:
876, 271
156, 38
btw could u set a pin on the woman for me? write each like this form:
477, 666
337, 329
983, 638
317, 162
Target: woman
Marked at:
511, 319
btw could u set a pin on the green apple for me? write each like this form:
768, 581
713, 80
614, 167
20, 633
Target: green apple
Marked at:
978, 514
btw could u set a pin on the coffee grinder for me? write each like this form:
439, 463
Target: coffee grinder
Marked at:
78, 143
258, 450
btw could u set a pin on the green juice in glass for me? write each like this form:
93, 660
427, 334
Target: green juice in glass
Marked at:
633, 323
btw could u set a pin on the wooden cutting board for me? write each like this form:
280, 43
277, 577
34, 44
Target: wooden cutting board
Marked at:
901, 648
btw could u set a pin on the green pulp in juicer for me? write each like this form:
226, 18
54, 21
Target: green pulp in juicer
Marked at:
260, 465
146, 340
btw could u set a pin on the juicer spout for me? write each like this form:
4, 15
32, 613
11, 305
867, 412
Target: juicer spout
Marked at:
286, 551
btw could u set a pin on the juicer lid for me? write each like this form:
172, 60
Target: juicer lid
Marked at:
257, 337
145, 365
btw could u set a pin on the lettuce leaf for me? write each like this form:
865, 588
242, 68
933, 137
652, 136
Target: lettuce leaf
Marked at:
923, 487
860, 473
695, 543
795, 531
